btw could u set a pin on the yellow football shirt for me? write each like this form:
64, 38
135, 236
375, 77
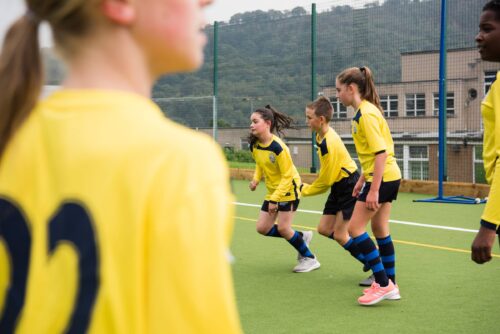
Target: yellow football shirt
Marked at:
274, 162
371, 135
335, 162
122, 220
490, 109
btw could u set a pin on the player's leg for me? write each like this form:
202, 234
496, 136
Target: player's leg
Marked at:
326, 225
383, 287
265, 223
357, 229
341, 235
307, 260
381, 231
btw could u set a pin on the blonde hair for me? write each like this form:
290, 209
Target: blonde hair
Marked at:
363, 78
21, 73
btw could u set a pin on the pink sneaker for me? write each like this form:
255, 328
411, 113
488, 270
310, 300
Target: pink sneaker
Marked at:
376, 293
396, 296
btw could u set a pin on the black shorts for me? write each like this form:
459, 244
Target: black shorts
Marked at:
282, 206
340, 198
388, 191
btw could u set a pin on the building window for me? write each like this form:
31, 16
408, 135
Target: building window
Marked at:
489, 77
415, 105
418, 162
413, 161
450, 104
339, 110
389, 105
479, 173
399, 154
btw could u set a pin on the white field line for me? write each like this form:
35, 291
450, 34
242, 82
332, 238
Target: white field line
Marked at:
391, 220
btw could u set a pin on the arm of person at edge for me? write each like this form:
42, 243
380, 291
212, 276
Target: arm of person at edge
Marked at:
482, 245
359, 185
378, 172
485, 238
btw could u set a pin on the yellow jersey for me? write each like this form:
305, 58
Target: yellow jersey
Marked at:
274, 162
490, 107
371, 135
335, 163
113, 219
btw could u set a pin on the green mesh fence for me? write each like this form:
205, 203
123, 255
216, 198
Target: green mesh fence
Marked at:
265, 58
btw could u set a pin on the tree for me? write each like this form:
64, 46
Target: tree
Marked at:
298, 11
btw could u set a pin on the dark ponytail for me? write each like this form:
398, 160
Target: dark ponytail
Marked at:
279, 122
363, 78
21, 76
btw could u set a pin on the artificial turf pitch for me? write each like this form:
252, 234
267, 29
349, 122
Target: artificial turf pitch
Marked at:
442, 290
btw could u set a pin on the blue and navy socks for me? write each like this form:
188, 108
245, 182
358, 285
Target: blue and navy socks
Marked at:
387, 254
351, 247
298, 243
370, 252
273, 232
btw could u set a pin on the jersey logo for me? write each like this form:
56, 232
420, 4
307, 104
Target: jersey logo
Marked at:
272, 157
354, 128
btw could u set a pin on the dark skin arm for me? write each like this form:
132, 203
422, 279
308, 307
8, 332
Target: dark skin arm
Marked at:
482, 245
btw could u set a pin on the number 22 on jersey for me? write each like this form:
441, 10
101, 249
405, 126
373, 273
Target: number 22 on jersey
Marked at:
69, 226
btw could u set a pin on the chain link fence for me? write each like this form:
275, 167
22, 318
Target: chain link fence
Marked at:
271, 58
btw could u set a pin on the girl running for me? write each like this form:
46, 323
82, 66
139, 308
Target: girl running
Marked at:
273, 161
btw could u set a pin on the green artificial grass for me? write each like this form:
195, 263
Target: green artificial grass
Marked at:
442, 290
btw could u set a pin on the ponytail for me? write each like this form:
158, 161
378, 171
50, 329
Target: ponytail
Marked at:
279, 122
363, 78
21, 76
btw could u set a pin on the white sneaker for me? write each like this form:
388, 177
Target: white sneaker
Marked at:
306, 264
367, 281
307, 237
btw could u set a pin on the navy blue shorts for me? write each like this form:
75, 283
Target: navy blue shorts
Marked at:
388, 191
340, 198
282, 206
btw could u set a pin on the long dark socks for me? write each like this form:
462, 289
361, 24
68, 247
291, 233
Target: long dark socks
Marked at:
388, 256
370, 252
298, 242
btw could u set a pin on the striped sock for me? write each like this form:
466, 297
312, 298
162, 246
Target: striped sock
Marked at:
299, 244
351, 247
388, 256
273, 232
371, 254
